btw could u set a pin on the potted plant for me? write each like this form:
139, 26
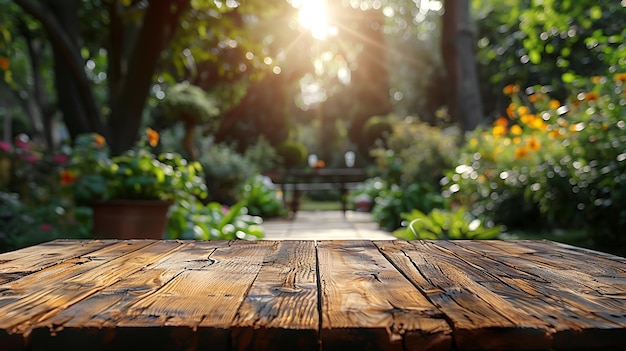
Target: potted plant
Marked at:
130, 193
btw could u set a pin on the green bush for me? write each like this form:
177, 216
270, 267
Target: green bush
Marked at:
262, 199
377, 128
549, 163
196, 221
292, 153
23, 225
416, 153
444, 225
226, 172
262, 154
394, 201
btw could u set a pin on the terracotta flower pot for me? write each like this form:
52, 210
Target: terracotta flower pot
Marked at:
130, 219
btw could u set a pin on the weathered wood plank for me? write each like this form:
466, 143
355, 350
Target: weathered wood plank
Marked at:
280, 311
19, 263
368, 305
33, 299
93, 322
205, 296
480, 317
585, 306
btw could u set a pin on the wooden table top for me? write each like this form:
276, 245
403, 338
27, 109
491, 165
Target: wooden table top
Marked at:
311, 295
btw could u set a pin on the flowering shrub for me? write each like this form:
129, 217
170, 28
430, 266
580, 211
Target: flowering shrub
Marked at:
33, 207
547, 162
136, 174
27, 168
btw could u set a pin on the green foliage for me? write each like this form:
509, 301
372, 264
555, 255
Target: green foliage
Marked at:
376, 128
226, 172
444, 225
551, 164
189, 104
195, 221
394, 201
292, 153
368, 191
23, 225
262, 154
416, 152
28, 168
135, 174
262, 199
545, 42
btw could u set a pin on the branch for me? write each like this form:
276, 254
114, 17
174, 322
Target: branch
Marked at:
70, 54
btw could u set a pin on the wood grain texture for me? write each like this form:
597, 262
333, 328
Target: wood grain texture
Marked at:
581, 297
19, 263
480, 317
111, 319
280, 311
311, 295
367, 304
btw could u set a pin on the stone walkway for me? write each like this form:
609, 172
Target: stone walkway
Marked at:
325, 225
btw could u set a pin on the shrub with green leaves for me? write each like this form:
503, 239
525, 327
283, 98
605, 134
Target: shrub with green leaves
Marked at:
292, 153
196, 221
23, 225
262, 199
226, 171
444, 225
550, 163
394, 201
416, 152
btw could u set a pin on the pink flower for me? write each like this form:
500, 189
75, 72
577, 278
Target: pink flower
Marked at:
60, 159
21, 142
6, 147
30, 158
46, 227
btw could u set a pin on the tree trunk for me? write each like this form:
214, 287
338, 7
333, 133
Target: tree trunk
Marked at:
59, 18
159, 23
457, 47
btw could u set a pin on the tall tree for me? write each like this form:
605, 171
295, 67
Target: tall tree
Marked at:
458, 50
133, 34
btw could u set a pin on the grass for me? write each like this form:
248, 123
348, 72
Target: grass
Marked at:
310, 205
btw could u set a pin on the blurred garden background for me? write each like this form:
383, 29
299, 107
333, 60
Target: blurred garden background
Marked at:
474, 119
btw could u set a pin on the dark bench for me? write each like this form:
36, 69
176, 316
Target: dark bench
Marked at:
294, 182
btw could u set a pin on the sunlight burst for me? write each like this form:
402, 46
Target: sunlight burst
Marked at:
313, 16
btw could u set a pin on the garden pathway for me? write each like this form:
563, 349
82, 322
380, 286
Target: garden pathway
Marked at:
325, 225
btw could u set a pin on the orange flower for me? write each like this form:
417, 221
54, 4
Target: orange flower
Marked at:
516, 129
99, 139
520, 153
556, 133
473, 142
510, 89
510, 110
528, 119
533, 144
620, 77
591, 96
4, 63
534, 98
517, 140
499, 130
554, 104
538, 123
501, 122
596, 79
153, 137
522, 110
67, 177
